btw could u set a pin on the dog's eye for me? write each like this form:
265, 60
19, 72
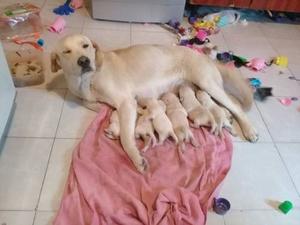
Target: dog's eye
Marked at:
67, 52
85, 45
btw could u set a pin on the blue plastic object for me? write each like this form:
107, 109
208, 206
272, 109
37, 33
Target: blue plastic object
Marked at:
64, 9
221, 206
256, 83
40, 42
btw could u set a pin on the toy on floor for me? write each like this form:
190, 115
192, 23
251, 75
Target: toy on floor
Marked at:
37, 43
257, 64
225, 57
262, 93
221, 206
176, 25
239, 61
285, 206
281, 61
58, 25
64, 9
76, 4
201, 35
254, 82
285, 101
293, 78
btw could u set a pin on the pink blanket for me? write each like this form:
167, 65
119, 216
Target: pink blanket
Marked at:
103, 187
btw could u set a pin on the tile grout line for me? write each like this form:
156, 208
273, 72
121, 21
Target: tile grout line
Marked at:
278, 152
16, 210
44, 178
261, 116
224, 221
287, 169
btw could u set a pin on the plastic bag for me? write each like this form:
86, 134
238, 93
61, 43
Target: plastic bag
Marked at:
21, 20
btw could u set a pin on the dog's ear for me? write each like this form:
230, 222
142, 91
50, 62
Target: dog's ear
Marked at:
98, 55
54, 64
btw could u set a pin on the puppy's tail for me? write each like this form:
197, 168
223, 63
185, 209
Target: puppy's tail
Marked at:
236, 85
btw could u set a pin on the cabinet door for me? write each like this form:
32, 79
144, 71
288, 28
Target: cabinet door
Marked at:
277, 5
293, 6
242, 3
212, 2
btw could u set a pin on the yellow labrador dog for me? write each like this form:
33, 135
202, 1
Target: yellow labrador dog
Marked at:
118, 77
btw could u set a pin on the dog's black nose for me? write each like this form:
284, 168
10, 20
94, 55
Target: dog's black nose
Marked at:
83, 61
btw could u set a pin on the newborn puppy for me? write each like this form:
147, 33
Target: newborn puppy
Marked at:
162, 125
144, 130
113, 130
178, 118
199, 115
222, 116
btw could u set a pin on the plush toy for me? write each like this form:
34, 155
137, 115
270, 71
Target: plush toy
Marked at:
257, 64
64, 9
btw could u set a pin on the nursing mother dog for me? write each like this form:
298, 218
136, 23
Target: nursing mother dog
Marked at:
119, 77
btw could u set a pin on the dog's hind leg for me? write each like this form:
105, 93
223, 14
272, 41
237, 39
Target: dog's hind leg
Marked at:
127, 115
218, 93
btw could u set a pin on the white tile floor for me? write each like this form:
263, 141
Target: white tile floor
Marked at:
49, 122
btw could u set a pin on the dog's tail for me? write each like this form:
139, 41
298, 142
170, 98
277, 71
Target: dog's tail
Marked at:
236, 85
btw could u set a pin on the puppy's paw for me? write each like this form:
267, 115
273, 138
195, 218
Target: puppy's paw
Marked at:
181, 147
194, 125
109, 134
141, 165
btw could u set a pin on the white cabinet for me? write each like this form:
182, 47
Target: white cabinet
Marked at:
7, 95
155, 11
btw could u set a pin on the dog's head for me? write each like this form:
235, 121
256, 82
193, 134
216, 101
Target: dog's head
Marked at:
75, 55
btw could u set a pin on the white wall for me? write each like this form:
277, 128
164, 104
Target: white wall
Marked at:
7, 93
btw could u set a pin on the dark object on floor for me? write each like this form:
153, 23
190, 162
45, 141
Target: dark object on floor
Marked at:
64, 9
197, 41
224, 57
239, 61
294, 98
285, 207
221, 206
294, 78
262, 93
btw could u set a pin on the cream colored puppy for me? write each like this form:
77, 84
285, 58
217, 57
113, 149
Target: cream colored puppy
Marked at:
199, 115
178, 118
221, 115
113, 130
144, 130
156, 110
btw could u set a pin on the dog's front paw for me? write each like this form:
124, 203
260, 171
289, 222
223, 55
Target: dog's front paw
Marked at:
250, 134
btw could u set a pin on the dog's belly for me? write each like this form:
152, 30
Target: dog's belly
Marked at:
158, 87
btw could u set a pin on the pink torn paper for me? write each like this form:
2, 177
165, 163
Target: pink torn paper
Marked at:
285, 101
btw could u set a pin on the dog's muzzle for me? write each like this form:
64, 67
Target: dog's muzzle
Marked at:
85, 64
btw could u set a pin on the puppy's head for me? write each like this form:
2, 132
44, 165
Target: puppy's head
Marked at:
203, 97
75, 55
168, 98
